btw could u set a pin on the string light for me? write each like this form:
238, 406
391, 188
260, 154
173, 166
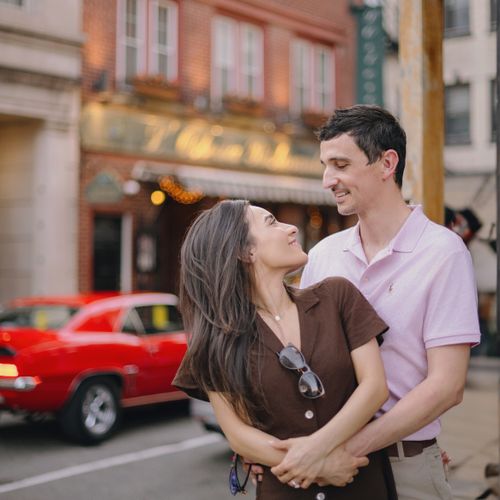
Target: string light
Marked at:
178, 193
157, 197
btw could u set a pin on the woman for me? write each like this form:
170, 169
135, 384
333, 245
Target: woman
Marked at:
278, 363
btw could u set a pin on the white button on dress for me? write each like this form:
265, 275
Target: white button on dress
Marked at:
309, 414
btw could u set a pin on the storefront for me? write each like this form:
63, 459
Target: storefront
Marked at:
161, 169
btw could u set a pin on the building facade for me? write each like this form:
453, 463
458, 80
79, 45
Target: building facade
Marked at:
40, 68
186, 102
469, 73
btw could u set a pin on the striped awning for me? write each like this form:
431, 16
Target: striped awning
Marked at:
235, 184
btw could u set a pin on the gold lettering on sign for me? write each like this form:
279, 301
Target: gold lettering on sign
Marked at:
156, 133
258, 152
198, 143
281, 155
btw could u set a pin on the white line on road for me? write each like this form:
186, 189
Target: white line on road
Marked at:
106, 463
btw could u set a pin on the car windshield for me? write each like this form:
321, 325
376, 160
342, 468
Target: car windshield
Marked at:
42, 317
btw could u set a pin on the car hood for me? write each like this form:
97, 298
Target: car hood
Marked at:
19, 339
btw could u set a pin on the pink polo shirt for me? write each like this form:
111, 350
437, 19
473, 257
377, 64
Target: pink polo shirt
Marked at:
422, 285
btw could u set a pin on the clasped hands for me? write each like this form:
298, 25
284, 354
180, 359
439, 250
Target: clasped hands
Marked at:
308, 461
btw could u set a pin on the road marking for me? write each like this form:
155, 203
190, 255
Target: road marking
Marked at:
106, 463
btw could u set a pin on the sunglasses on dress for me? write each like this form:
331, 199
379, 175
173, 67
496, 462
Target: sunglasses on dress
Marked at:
310, 385
235, 486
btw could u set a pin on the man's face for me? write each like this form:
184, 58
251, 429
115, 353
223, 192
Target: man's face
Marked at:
354, 183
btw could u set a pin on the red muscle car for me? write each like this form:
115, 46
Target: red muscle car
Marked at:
86, 357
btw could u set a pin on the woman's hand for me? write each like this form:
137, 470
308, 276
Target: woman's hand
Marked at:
303, 462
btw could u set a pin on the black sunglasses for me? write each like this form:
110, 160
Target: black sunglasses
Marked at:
234, 482
310, 385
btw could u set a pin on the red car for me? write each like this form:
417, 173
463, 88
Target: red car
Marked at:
86, 357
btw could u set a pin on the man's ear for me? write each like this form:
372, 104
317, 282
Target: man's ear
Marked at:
390, 160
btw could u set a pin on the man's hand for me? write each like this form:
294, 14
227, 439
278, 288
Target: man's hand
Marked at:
340, 467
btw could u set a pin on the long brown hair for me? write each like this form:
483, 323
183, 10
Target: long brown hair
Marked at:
215, 301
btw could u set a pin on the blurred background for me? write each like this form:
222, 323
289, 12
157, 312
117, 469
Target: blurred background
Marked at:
121, 119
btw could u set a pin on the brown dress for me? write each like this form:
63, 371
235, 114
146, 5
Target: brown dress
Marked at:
334, 319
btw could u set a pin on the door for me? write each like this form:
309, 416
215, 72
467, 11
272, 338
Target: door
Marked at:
107, 252
160, 328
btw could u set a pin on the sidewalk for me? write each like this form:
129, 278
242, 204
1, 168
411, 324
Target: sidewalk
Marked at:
471, 430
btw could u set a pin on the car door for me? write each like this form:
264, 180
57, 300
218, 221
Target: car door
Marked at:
159, 326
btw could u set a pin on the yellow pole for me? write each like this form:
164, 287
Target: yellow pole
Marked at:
422, 109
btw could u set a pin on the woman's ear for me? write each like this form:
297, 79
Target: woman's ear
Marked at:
248, 256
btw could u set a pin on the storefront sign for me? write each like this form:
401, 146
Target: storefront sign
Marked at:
196, 141
370, 54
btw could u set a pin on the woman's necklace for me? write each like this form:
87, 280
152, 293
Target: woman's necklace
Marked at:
277, 316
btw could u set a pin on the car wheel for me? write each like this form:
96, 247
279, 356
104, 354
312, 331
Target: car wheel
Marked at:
93, 413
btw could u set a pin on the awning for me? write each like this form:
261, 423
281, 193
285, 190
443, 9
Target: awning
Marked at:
233, 184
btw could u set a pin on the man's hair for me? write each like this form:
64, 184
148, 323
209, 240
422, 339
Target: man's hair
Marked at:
374, 131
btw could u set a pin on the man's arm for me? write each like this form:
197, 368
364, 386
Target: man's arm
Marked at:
438, 392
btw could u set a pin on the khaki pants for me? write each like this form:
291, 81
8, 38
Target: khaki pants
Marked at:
421, 477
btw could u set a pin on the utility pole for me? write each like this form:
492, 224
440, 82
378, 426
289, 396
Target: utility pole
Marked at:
497, 113
422, 107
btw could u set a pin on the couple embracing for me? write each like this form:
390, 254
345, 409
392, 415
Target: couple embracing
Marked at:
333, 390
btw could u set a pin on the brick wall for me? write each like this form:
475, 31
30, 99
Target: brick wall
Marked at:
195, 16
99, 26
195, 48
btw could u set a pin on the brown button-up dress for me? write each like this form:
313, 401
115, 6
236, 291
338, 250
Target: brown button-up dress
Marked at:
334, 320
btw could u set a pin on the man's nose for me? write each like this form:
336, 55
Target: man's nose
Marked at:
329, 178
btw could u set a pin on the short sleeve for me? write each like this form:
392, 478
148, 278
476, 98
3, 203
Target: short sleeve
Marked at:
185, 382
359, 320
451, 316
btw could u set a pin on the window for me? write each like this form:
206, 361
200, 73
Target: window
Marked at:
493, 15
457, 114
147, 50
152, 319
456, 18
42, 317
17, 3
494, 103
237, 59
163, 30
312, 77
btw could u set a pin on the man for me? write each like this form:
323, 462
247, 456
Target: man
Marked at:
417, 275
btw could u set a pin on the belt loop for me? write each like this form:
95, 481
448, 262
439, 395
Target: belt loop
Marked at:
401, 452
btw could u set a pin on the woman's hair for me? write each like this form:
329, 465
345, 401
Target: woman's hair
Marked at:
215, 301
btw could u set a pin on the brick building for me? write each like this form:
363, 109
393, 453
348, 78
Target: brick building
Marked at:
186, 102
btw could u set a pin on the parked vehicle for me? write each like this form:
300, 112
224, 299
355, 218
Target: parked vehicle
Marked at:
86, 357
204, 413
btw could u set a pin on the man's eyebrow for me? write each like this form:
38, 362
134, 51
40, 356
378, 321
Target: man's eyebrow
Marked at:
337, 158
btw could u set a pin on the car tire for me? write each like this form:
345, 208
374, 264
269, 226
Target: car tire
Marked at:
93, 413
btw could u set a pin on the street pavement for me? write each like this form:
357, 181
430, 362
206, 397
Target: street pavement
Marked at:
162, 454
471, 430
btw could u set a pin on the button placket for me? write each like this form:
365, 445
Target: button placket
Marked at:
309, 414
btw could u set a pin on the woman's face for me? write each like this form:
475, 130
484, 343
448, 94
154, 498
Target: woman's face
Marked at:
274, 244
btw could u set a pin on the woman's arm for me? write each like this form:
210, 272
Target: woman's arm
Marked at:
305, 456
244, 439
